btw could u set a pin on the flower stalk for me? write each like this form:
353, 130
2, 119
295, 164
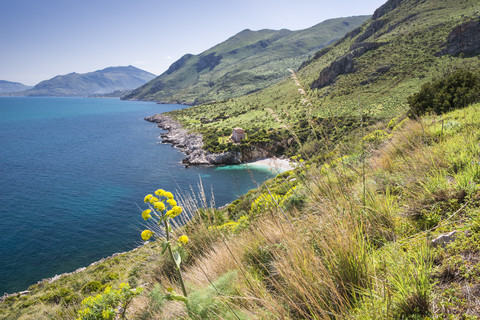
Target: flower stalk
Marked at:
164, 207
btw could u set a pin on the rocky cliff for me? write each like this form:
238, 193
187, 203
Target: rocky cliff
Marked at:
464, 39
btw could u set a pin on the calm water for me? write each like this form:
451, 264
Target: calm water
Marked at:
72, 171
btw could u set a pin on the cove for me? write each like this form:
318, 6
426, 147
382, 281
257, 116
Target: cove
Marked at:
74, 172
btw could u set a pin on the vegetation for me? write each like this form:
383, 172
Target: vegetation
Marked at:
393, 55
379, 220
108, 304
453, 91
349, 236
162, 216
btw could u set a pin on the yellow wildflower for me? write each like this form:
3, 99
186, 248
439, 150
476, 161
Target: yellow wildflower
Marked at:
146, 234
172, 202
160, 193
146, 214
176, 210
147, 197
153, 200
183, 239
169, 195
160, 206
107, 314
170, 214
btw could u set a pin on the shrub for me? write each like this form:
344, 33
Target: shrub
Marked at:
111, 304
92, 286
60, 295
453, 91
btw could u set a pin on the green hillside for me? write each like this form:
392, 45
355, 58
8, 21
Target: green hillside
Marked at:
92, 83
349, 238
246, 62
370, 71
380, 220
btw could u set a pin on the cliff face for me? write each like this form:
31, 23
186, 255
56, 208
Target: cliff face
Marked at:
464, 39
343, 65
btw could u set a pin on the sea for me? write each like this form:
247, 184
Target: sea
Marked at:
73, 175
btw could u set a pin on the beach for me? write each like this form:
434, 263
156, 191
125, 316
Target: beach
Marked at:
274, 164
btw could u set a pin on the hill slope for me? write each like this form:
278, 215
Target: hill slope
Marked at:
97, 82
246, 62
325, 241
370, 71
8, 86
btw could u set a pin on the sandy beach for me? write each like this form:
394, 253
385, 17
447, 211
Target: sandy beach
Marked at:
275, 164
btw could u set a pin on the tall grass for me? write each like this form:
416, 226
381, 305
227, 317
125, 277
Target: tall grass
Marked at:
355, 246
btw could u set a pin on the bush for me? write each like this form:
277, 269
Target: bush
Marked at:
60, 295
111, 304
92, 286
454, 91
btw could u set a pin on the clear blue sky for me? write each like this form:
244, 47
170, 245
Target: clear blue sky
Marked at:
44, 38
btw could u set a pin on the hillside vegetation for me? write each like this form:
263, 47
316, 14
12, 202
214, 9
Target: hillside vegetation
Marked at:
246, 62
371, 71
380, 219
349, 237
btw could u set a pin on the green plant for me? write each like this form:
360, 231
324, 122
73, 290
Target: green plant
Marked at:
60, 295
109, 305
453, 91
92, 286
158, 208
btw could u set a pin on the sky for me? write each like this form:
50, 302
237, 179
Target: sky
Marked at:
40, 39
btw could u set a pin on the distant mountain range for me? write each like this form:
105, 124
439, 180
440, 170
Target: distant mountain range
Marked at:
8, 86
247, 62
98, 82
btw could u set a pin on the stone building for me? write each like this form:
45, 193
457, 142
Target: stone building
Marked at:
238, 135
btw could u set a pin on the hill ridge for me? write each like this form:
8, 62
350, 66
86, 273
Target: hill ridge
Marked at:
245, 62
103, 81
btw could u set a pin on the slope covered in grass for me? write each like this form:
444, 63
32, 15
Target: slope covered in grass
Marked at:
246, 62
350, 237
371, 71
345, 237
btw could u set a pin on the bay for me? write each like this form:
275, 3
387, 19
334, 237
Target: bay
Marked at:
73, 174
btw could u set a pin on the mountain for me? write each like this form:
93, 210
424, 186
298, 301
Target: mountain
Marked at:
246, 62
8, 86
92, 83
370, 71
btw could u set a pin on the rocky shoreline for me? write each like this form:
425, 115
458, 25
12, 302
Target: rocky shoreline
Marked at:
191, 144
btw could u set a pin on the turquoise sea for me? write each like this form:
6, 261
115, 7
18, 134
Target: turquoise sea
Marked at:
73, 174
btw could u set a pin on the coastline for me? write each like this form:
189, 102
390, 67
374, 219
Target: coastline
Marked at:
191, 145
187, 142
66, 274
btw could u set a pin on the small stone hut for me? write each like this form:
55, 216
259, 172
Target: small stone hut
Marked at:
238, 135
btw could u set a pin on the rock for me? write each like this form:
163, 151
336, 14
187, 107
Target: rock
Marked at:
191, 143
343, 65
444, 239
464, 39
